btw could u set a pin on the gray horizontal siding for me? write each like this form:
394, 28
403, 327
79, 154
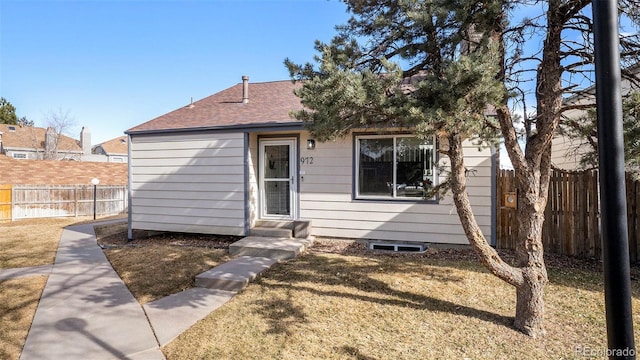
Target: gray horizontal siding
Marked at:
190, 228
326, 198
200, 188
188, 183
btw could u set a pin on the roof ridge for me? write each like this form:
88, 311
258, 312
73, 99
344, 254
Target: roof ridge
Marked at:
265, 82
270, 102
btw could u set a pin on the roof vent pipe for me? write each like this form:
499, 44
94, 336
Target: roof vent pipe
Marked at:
245, 89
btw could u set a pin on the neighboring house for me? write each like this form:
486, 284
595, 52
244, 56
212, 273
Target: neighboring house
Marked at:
34, 143
226, 162
114, 150
566, 152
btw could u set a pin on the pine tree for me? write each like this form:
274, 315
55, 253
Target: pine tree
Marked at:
435, 67
7, 113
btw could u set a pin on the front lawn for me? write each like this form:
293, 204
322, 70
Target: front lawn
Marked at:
340, 301
345, 306
31, 242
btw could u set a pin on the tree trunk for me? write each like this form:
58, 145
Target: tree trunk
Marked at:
530, 302
529, 276
530, 254
532, 180
487, 254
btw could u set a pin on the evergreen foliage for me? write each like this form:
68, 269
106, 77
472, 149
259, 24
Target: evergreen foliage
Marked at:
7, 113
442, 87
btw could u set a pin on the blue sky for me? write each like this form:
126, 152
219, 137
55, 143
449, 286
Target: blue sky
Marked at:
115, 64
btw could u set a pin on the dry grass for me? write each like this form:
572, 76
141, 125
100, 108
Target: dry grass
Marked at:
336, 306
18, 301
153, 272
339, 303
31, 242
157, 266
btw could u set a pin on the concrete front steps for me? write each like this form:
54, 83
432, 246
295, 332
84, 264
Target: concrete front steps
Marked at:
299, 229
269, 247
255, 254
234, 275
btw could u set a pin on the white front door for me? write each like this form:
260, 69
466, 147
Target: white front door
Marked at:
278, 179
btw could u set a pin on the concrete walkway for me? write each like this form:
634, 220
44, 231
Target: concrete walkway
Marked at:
87, 312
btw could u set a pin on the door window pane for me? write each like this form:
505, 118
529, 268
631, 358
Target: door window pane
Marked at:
277, 197
276, 162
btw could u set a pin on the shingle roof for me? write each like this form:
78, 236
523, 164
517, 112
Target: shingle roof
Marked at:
54, 172
31, 137
118, 145
269, 103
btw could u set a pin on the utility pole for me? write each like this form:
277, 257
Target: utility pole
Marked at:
613, 202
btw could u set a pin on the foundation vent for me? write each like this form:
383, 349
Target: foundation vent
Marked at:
397, 247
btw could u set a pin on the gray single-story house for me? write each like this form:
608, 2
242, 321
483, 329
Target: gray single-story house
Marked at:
226, 163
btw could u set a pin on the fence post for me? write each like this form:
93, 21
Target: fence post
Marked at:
75, 200
498, 206
632, 208
13, 202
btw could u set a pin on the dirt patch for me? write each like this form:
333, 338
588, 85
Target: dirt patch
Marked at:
357, 248
115, 235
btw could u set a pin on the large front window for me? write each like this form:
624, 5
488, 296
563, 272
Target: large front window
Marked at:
399, 166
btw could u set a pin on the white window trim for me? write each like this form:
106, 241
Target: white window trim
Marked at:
356, 190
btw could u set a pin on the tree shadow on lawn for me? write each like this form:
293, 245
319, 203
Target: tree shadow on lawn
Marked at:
301, 273
354, 351
563, 270
281, 314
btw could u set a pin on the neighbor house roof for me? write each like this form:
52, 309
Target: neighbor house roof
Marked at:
31, 137
270, 103
53, 172
118, 145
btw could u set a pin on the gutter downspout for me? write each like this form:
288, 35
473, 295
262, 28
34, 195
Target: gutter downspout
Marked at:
129, 196
495, 158
247, 195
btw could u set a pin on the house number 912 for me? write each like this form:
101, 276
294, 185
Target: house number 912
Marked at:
307, 160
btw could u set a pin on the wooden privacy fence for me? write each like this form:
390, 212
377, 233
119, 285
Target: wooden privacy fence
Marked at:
5, 202
572, 215
39, 201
